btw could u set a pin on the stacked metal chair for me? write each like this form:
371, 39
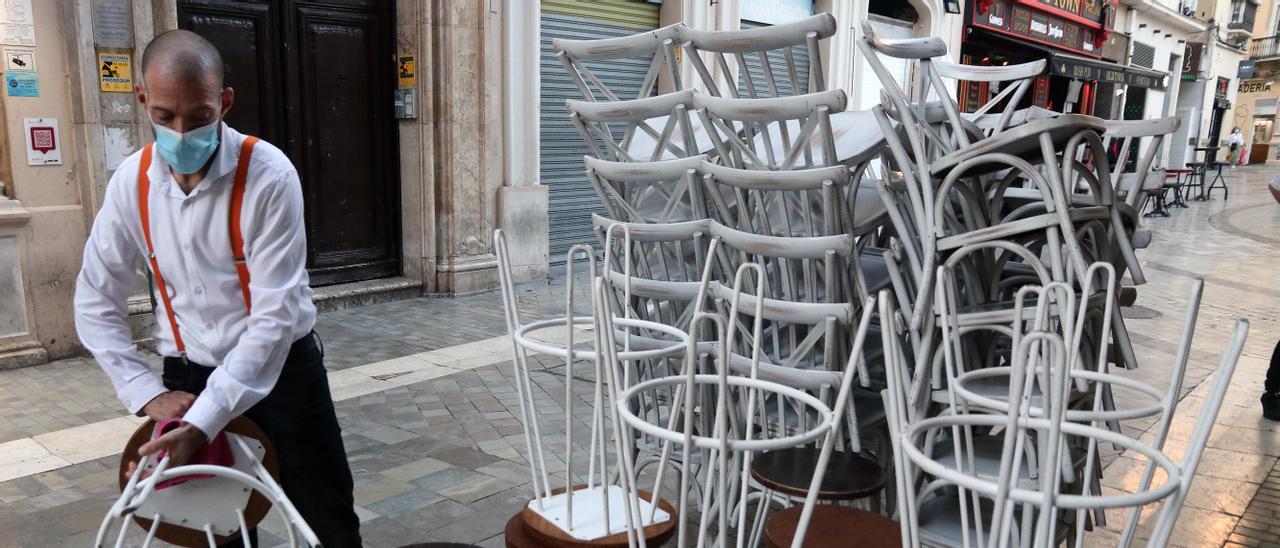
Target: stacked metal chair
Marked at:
1001, 235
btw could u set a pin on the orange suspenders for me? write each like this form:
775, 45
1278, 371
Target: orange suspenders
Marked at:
233, 225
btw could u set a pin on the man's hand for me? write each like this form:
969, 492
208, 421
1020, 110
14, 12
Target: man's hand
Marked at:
180, 444
169, 405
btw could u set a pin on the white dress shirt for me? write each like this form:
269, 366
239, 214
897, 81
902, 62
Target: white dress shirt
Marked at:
193, 248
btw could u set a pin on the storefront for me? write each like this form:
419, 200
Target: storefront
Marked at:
1255, 115
1086, 61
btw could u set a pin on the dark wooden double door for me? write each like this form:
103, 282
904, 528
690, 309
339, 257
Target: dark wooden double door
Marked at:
316, 78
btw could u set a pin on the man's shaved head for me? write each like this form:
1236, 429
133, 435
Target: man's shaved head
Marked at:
184, 56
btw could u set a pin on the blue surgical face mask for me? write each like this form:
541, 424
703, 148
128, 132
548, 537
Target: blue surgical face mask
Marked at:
187, 152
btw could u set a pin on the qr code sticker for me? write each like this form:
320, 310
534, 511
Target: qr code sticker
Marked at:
42, 138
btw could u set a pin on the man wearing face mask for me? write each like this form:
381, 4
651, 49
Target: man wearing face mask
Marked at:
218, 217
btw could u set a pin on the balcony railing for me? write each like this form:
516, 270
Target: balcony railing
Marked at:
1264, 48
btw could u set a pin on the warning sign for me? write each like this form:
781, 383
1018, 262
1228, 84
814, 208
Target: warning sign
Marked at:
115, 72
408, 71
43, 148
19, 60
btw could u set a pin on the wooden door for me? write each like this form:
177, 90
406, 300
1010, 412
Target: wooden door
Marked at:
316, 78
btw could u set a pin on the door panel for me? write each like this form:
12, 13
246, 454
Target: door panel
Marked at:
342, 138
315, 78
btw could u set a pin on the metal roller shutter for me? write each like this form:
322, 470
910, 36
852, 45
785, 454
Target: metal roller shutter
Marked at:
571, 198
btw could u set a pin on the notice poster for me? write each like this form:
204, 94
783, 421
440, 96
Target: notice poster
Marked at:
115, 72
22, 84
44, 146
17, 23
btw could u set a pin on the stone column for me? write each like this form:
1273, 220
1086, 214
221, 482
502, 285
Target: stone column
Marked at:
465, 67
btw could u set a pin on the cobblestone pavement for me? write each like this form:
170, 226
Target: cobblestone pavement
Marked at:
440, 459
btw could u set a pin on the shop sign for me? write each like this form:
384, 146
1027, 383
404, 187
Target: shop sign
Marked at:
1246, 68
1191, 61
1036, 25
1087, 71
1254, 86
1144, 80
1089, 9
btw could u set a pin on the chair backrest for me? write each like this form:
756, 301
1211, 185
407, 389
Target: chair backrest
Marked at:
612, 129
583, 58
775, 134
805, 203
755, 56
1125, 135
1011, 81
813, 270
665, 191
655, 271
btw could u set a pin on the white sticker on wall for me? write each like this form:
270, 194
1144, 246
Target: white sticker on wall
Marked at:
44, 145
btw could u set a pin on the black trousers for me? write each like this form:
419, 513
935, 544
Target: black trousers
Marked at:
298, 417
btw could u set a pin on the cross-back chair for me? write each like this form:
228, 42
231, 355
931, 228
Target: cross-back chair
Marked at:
637, 130
775, 134
666, 191
746, 60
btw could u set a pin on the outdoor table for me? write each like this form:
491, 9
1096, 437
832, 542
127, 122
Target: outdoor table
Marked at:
1202, 168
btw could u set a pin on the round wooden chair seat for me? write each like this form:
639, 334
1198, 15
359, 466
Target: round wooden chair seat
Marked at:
254, 512
528, 529
836, 526
849, 475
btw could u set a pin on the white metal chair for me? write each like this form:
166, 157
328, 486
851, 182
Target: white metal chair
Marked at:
590, 507
218, 507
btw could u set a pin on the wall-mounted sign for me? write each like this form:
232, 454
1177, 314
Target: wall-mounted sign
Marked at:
1084, 70
22, 84
1088, 9
112, 23
407, 70
19, 59
1116, 47
1220, 91
115, 72
17, 23
1254, 86
43, 143
1031, 23
1191, 61
1246, 68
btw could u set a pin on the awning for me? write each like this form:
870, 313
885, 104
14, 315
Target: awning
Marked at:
1078, 67
1084, 68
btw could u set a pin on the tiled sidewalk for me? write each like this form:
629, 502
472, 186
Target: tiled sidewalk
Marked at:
436, 448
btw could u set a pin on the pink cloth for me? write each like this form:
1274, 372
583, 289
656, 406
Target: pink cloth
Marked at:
216, 452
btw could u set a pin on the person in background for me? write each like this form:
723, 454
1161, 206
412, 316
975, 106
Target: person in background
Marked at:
1235, 143
218, 217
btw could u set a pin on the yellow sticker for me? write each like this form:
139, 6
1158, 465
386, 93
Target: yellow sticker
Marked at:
115, 72
408, 71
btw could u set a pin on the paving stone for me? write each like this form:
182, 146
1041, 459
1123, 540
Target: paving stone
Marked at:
379, 490
474, 489
416, 469
412, 500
